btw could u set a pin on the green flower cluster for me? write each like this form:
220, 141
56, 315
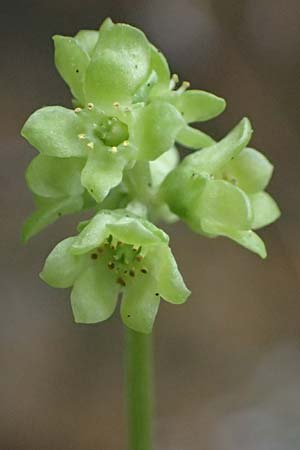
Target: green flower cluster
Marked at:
115, 154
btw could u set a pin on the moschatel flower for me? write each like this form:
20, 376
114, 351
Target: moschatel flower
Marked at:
127, 110
219, 191
116, 253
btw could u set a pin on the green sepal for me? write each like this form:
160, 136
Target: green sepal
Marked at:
71, 61
198, 106
265, 209
193, 138
155, 129
61, 267
102, 172
94, 295
120, 64
87, 39
170, 282
55, 177
48, 211
53, 131
251, 169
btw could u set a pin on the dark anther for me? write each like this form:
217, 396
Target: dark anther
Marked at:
125, 271
128, 315
131, 272
77, 71
120, 243
149, 184
193, 175
59, 214
148, 84
139, 258
111, 265
156, 293
94, 256
121, 282
144, 270
109, 239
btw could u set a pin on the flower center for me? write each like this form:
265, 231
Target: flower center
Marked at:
112, 131
123, 259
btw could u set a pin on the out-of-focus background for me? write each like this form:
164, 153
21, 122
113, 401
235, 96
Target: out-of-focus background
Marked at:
227, 362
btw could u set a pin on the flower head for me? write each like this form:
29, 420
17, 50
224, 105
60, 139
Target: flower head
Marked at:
219, 191
127, 110
116, 253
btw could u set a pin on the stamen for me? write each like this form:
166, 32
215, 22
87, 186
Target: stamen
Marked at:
94, 256
132, 273
174, 80
90, 145
185, 85
81, 136
121, 281
125, 143
111, 265
90, 106
116, 104
114, 149
77, 110
144, 270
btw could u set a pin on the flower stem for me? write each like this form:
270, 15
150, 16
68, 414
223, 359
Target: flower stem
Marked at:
139, 387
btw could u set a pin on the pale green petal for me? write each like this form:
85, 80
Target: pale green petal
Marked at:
160, 167
223, 204
53, 131
213, 158
94, 295
197, 106
62, 267
55, 177
249, 240
170, 284
71, 61
155, 129
251, 169
265, 209
135, 231
102, 172
193, 138
93, 234
49, 210
140, 303
87, 39
120, 63
161, 67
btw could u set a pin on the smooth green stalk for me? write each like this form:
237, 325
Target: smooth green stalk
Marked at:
139, 387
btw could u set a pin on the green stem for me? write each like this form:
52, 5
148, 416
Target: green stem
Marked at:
139, 386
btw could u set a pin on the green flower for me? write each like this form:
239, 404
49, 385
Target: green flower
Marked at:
219, 191
127, 110
116, 253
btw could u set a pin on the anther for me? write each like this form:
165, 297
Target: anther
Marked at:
90, 145
144, 270
121, 281
90, 106
114, 149
116, 104
125, 143
94, 256
131, 272
139, 258
77, 110
185, 85
81, 136
111, 265
173, 81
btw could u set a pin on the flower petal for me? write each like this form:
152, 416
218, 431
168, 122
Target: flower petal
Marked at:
160, 167
140, 303
62, 267
251, 169
54, 130
160, 65
265, 209
135, 231
223, 204
249, 240
213, 158
120, 63
102, 172
170, 284
93, 234
197, 106
155, 129
55, 177
49, 210
87, 39
94, 295
71, 61
193, 138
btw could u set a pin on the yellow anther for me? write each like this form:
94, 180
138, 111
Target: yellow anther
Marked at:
116, 104
81, 136
90, 145
77, 110
126, 143
114, 149
90, 106
175, 77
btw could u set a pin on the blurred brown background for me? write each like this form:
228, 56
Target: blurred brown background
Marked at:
228, 362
